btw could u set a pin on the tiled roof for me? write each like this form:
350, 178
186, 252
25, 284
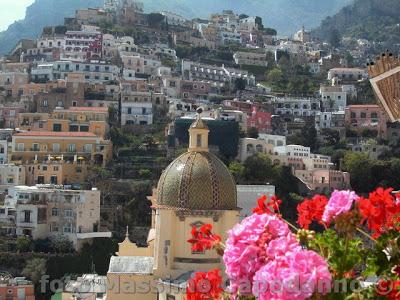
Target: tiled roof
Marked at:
57, 134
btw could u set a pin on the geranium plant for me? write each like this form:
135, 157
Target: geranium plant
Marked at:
355, 253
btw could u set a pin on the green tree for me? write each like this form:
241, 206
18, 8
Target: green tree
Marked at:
259, 23
275, 76
270, 31
258, 169
145, 173
237, 170
24, 244
35, 269
240, 84
359, 166
155, 19
334, 38
61, 244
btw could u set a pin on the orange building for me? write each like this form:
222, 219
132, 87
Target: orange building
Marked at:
17, 289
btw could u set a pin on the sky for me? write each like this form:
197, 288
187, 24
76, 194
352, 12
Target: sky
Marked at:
12, 10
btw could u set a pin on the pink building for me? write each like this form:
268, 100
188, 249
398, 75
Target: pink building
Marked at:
368, 116
324, 181
260, 120
9, 116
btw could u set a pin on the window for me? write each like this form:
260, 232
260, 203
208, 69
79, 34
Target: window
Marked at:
45, 103
74, 103
44, 168
84, 128
54, 212
129, 110
54, 227
40, 180
363, 115
55, 168
20, 147
73, 128
353, 115
374, 115
87, 148
53, 180
69, 213
71, 148
68, 228
56, 147
10, 179
198, 142
57, 127
60, 103
35, 147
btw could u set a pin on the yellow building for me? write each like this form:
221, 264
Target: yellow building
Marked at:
35, 146
74, 119
195, 189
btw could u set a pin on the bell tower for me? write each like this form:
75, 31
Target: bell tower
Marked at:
198, 134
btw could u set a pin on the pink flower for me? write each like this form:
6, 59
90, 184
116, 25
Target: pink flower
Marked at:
283, 246
340, 202
246, 248
298, 275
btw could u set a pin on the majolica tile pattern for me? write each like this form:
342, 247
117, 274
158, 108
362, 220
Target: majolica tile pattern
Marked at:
197, 181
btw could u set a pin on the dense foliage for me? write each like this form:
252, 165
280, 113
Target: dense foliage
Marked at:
375, 20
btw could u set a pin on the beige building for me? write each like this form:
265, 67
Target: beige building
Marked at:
195, 189
46, 212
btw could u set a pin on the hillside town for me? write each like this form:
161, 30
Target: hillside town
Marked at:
108, 119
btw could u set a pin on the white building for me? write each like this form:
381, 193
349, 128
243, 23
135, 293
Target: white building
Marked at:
230, 37
272, 139
219, 76
247, 196
42, 72
333, 97
250, 58
173, 18
83, 45
136, 106
348, 74
51, 42
296, 106
95, 72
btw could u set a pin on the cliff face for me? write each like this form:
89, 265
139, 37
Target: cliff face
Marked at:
287, 16
376, 20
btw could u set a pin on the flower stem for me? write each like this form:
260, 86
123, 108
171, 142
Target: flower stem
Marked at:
290, 224
366, 234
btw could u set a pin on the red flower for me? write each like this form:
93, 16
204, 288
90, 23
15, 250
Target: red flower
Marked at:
267, 207
389, 289
380, 212
311, 210
203, 239
204, 286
